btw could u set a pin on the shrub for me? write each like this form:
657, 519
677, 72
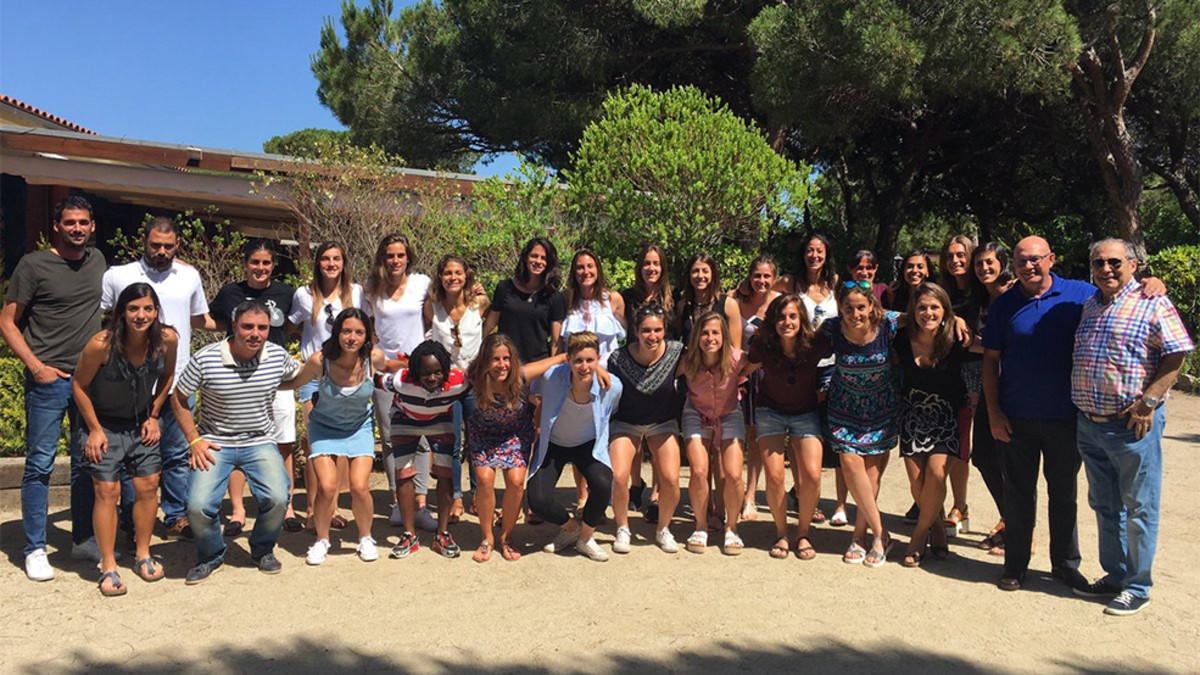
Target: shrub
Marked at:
1179, 268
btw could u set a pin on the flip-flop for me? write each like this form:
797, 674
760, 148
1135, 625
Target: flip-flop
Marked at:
117, 589
779, 552
878, 559
805, 552
148, 570
508, 552
483, 553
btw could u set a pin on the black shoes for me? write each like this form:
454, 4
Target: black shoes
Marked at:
1098, 589
268, 564
200, 573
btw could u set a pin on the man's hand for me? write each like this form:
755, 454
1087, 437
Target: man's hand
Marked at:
201, 455
47, 374
1141, 418
97, 445
1001, 427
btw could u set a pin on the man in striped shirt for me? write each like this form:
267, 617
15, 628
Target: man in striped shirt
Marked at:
1128, 352
236, 380
423, 407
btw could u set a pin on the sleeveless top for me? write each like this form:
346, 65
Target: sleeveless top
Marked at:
818, 312
465, 347
689, 312
649, 394
344, 408
122, 394
596, 316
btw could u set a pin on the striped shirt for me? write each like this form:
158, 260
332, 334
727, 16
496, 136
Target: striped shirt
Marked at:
235, 398
417, 411
1119, 345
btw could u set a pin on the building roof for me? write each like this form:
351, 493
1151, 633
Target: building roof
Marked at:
34, 111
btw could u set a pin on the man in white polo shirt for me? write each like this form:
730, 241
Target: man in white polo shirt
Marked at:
184, 307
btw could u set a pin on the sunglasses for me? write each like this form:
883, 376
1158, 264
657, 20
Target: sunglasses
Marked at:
456, 336
329, 317
1114, 263
861, 285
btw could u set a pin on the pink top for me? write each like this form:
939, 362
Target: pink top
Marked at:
714, 398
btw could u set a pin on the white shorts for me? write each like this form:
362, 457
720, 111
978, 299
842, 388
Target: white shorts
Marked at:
283, 409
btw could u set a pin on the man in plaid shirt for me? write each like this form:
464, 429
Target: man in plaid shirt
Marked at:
1128, 351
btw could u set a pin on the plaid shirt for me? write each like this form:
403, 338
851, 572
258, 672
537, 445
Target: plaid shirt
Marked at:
1118, 346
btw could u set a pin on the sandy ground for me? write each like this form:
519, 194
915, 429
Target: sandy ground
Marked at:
644, 611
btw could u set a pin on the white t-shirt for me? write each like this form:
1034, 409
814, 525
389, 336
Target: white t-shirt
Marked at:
399, 326
180, 292
313, 335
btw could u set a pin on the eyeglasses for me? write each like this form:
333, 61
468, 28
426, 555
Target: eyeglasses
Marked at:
1022, 261
1114, 263
329, 317
76, 221
861, 285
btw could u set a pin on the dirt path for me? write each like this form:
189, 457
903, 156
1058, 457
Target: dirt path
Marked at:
644, 611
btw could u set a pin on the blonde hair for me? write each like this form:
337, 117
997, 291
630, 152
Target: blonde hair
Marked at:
693, 361
345, 284
492, 393
582, 340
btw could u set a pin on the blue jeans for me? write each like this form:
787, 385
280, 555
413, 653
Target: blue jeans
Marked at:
462, 411
45, 406
1124, 483
176, 474
268, 479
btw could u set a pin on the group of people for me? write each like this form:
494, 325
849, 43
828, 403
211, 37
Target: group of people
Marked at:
999, 362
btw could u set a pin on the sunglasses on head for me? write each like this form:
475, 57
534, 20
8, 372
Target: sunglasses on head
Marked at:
861, 285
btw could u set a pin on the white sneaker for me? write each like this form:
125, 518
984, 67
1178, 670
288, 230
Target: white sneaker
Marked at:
86, 550
591, 549
621, 544
317, 552
562, 541
397, 518
666, 541
366, 550
37, 566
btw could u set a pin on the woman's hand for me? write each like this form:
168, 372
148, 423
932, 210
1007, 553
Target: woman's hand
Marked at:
97, 445
150, 432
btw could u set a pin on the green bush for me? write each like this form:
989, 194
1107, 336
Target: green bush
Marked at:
1179, 268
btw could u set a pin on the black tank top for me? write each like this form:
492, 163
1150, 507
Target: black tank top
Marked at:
122, 394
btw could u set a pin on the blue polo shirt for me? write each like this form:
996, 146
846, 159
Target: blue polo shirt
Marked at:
1036, 338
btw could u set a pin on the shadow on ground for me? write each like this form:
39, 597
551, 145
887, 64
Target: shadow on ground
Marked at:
309, 656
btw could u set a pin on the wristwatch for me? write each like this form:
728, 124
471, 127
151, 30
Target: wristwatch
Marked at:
1151, 402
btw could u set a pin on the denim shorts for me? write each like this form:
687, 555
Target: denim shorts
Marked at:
308, 389
774, 423
733, 426
639, 431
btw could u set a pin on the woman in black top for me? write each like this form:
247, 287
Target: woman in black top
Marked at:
916, 269
651, 400
702, 293
529, 307
650, 285
119, 370
955, 264
932, 393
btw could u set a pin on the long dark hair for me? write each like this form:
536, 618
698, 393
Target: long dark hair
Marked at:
550, 278
662, 293
828, 276
903, 290
769, 333
575, 291
1001, 252
943, 338
439, 291
331, 349
116, 331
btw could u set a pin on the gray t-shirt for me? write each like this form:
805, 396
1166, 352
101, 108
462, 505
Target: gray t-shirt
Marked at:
62, 304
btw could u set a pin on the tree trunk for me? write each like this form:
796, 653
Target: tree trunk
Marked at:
1103, 98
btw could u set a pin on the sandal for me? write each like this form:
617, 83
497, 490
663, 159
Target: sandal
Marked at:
483, 553
117, 588
733, 543
878, 558
805, 552
780, 552
508, 552
338, 522
818, 515
839, 519
148, 569
698, 541
958, 522
912, 559
855, 554
292, 524
749, 511
939, 552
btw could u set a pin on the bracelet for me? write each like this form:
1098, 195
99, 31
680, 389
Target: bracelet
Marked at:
194, 441
40, 369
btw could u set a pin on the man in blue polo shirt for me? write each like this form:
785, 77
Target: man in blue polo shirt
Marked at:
1027, 360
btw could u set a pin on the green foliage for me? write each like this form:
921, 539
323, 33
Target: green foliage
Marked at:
677, 168
304, 143
1179, 268
12, 404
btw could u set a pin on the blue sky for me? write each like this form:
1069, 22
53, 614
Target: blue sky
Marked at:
221, 74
